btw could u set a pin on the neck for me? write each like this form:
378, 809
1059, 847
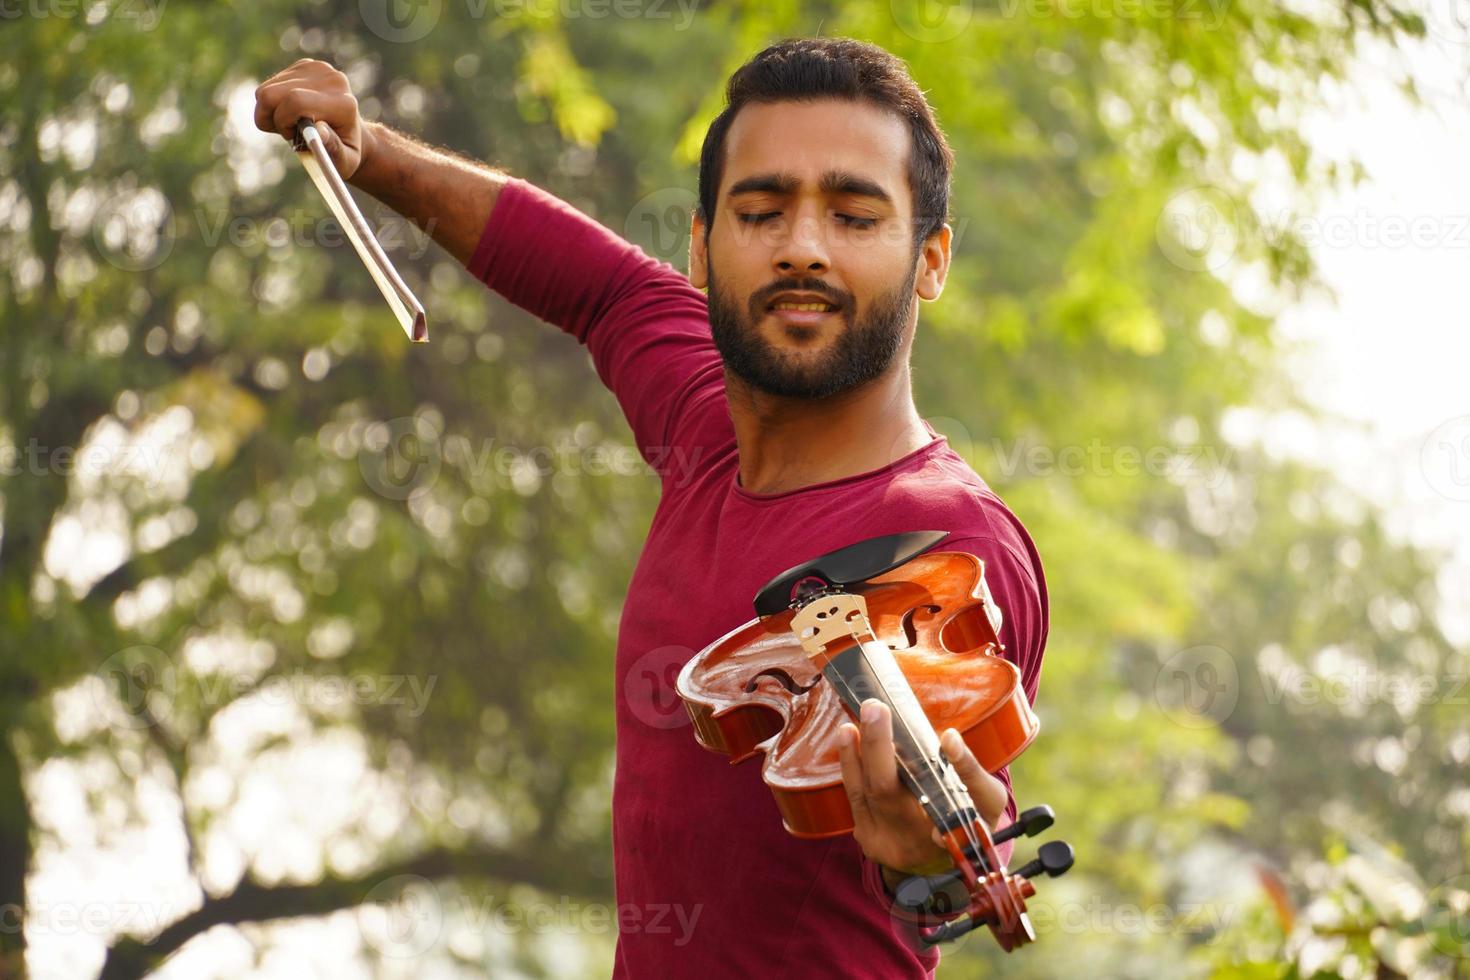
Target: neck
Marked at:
786, 444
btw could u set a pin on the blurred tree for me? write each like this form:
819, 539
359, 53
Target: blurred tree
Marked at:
228, 475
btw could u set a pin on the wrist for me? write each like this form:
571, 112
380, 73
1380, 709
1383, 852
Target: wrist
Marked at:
372, 157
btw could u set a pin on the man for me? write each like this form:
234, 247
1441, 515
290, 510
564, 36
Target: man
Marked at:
823, 197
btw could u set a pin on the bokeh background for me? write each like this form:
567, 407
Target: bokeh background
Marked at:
306, 634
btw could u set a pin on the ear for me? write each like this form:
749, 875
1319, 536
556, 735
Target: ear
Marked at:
698, 256
933, 264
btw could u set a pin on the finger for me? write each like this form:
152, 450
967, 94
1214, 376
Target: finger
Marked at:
988, 792
269, 93
880, 765
263, 112
330, 140
303, 103
852, 777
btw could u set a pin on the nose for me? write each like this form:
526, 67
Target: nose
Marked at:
804, 250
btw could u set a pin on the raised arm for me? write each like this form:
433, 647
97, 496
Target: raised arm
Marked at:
446, 195
644, 325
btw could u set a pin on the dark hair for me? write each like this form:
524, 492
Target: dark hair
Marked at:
806, 69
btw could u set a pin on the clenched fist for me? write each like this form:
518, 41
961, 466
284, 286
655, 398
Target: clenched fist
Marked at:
315, 90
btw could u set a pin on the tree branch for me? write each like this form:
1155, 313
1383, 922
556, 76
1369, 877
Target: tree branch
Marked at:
253, 902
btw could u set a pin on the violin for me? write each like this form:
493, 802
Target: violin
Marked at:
921, 632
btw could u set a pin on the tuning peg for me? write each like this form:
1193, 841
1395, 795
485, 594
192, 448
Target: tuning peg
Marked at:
1030, 823
1053, 858
920, 891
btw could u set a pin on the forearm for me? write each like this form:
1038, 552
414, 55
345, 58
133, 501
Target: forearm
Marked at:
446, 195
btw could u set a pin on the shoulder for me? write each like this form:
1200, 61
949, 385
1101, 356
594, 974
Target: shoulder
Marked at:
948, 494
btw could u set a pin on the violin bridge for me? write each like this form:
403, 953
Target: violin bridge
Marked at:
829, 617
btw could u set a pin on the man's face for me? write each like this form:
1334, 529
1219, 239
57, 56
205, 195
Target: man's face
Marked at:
814, 200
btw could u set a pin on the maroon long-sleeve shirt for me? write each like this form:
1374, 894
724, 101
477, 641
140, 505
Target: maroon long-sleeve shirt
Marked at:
709, 884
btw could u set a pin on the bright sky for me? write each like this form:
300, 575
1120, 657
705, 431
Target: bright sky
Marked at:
1393, 355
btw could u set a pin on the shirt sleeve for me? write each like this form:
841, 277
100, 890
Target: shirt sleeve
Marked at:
644, 324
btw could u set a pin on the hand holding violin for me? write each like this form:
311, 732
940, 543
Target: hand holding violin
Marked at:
888, 823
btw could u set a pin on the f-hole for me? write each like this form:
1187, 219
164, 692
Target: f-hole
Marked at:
784, 679
910, 633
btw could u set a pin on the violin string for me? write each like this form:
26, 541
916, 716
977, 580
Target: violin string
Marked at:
944, 789
938, 779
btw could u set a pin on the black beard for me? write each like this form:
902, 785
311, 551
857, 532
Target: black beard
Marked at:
862, 352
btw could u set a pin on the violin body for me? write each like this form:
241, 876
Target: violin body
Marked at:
756, 690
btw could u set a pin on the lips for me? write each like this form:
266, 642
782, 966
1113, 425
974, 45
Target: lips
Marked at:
805, 307
801, 302
803, 317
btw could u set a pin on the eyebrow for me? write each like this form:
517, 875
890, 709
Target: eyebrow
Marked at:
831, 182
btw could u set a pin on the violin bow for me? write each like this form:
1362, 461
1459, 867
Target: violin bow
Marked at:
405, 305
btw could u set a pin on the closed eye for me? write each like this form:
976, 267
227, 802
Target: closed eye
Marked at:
847, 219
